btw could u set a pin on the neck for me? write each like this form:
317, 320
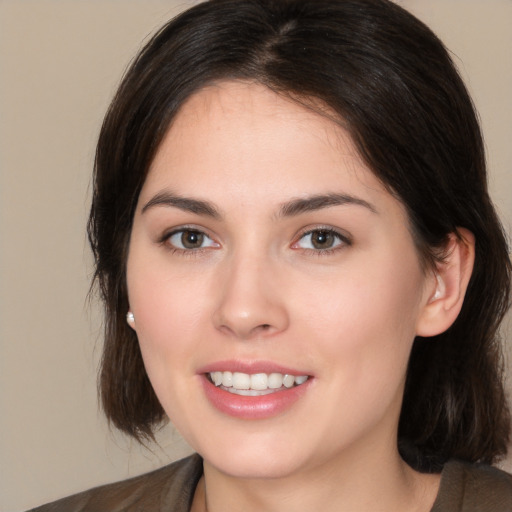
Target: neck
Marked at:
376, 482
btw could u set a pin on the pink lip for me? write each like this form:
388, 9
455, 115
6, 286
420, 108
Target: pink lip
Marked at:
249, 367
252, 407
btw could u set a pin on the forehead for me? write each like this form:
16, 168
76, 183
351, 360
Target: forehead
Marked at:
230, 97
253, 110
243, 124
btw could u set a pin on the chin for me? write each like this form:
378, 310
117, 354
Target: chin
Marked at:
259, 456
255, 466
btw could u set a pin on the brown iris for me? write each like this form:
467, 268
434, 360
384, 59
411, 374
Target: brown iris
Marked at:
322, 239
192, 239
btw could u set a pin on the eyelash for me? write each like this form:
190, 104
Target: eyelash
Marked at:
342, 241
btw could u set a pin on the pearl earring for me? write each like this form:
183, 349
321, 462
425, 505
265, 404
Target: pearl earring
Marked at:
130, 318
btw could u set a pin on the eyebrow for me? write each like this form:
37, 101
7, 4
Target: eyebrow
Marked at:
288, 209
319, 202
187, 204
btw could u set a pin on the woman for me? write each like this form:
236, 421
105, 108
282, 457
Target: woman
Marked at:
301, 266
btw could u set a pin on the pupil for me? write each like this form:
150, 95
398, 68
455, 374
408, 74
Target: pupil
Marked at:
191, 239
322, 239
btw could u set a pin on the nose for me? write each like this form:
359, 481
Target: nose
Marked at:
250, 301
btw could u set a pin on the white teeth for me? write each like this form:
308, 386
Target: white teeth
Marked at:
249, 392
241, 381
288, 381
275, 381
227, 379
257, 382
301, 379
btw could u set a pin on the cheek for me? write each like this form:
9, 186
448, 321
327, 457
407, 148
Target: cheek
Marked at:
168, 312
167, 319
167, 308
162, 295
365, 318
365, 299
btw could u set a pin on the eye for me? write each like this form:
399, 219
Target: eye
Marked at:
321, 239
190, 239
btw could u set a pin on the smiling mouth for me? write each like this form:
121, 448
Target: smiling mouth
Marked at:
256, 384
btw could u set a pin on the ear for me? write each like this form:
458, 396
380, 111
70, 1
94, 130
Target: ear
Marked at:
447, 286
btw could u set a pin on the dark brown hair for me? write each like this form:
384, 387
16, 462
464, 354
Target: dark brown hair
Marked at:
392, 85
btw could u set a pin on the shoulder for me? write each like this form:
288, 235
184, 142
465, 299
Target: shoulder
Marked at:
473, 488
169, 488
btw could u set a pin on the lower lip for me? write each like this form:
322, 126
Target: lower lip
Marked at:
253, 407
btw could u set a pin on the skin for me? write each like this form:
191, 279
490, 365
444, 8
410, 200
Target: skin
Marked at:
257, 289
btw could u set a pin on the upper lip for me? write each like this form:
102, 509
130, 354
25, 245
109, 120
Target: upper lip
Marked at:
250, 367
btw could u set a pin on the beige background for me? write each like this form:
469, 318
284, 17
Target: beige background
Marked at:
60, 61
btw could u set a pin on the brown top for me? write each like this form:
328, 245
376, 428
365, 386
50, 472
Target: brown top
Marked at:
464, 488
473, 488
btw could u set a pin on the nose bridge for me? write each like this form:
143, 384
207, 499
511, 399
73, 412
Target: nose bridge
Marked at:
249, 301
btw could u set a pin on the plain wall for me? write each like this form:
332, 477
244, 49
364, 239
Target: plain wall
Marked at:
60, 62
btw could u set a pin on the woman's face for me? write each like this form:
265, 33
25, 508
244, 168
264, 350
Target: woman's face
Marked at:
263, 247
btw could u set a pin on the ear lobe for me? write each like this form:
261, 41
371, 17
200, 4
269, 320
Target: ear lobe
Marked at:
447, 288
